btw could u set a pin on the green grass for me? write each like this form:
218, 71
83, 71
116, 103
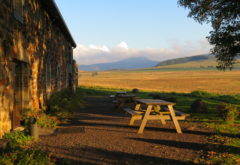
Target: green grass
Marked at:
183, 100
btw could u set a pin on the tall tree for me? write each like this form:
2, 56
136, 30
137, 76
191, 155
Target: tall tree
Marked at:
224, 15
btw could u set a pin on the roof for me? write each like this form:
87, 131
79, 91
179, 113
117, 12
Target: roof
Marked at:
57, 18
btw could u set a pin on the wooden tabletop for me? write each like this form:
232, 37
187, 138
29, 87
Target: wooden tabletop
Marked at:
154, 102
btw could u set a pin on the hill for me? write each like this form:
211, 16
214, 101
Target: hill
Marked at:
187, 59
130, 63
200, 61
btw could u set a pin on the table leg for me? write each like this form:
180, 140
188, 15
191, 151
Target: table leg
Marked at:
174, 119
120, 104
145, 118
157, 108
133, 118
137, 107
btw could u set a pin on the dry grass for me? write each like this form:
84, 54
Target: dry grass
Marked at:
167, 81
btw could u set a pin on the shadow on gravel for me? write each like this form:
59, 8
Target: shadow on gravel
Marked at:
97, 156
192, 146
77, 122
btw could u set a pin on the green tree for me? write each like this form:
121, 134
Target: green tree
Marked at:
224, 16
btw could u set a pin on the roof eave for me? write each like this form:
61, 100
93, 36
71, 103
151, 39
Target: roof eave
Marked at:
55, 14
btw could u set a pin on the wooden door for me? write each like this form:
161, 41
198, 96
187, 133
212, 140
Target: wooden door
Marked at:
21, 99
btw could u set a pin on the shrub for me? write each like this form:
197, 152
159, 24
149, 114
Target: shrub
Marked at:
135, 90
227, 112
46, 121
29, 156
17, 138
198, 106
62, 104
31, 116
16, 152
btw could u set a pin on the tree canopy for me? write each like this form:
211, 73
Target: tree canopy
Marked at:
224, 16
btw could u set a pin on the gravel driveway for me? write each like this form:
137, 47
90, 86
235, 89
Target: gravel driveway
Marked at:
100, 135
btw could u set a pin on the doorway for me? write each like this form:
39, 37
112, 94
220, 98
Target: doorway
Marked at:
21, 97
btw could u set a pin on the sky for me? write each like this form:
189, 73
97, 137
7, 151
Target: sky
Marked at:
113, 30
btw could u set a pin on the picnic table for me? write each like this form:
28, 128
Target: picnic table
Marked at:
113, 97
121, 92
154, 111
123, 100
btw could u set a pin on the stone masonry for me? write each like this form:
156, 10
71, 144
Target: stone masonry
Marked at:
36, 57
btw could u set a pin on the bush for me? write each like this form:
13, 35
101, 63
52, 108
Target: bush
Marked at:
135, 90
32, 116
198, 106
227, 112
46, 121
18, 138
29, 116
29, 156
16, 152
62, 104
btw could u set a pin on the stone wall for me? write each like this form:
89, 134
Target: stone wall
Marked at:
35, 60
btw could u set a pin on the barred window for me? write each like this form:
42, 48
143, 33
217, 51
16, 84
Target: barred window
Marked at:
1, 72
18, 9
48, 74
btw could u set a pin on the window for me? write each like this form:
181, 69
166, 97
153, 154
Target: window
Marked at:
18, 9
48, 72
70, 55
58, 77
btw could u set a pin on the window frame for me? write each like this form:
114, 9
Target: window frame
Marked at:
18, 10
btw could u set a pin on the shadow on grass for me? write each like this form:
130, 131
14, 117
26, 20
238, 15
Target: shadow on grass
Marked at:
94, 156
192, 146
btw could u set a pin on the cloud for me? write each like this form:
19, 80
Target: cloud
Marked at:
99, 48
92, 54
123, 45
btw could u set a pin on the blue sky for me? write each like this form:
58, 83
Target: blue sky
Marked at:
102, 27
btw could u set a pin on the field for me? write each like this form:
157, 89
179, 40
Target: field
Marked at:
166, 80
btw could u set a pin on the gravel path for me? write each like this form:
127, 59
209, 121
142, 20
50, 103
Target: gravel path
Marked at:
98, 135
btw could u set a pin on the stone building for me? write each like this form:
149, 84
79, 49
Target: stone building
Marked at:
36, 57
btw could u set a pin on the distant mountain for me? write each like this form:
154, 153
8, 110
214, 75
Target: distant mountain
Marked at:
130, 63
186, 60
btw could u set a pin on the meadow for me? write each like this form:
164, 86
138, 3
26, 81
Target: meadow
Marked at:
166, 80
